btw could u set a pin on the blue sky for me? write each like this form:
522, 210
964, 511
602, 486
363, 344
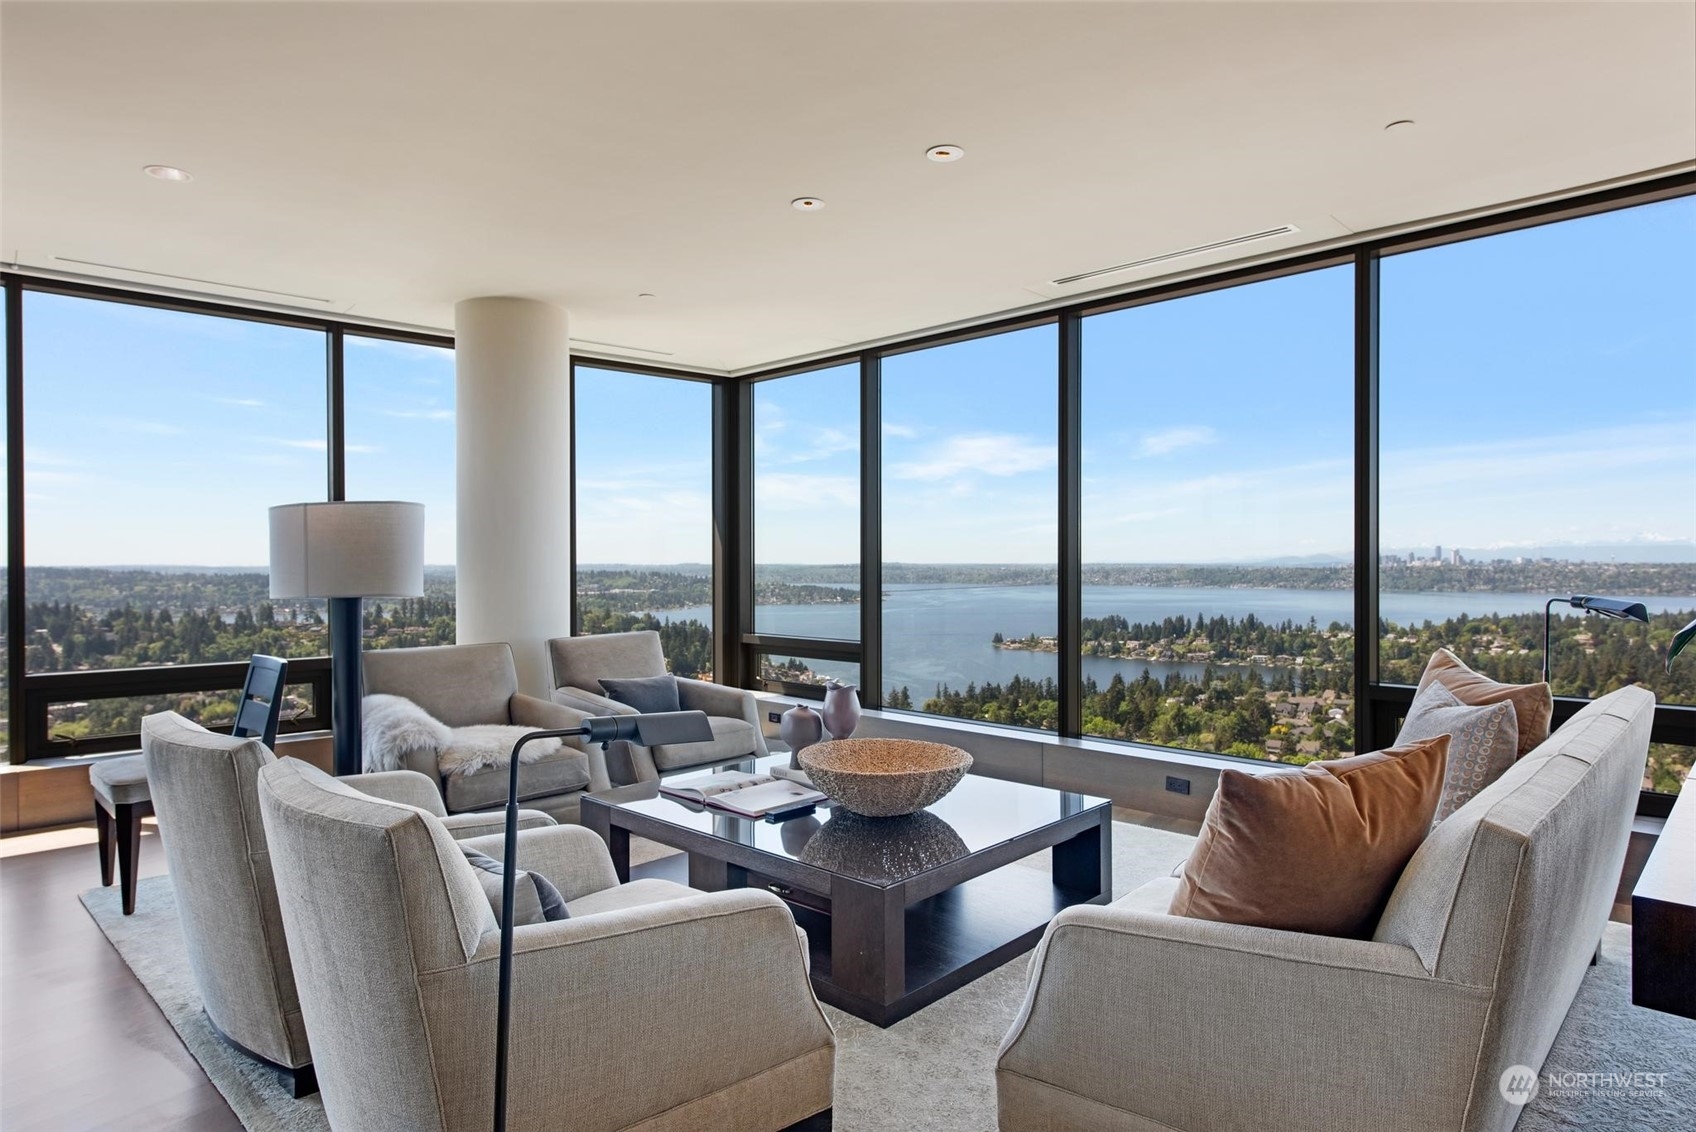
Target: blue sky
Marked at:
158, 437
1523, 375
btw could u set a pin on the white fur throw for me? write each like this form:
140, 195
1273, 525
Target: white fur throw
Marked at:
487, 745
393, 727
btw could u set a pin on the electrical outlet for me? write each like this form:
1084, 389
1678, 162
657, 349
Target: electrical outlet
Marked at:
774, 716
1177, 785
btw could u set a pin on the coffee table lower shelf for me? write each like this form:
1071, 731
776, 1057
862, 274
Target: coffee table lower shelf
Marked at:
947, 939
952, 938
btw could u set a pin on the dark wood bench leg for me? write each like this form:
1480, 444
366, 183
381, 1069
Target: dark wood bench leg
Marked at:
129, 851
103, 826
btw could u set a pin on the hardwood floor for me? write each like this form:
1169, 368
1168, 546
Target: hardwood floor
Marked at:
82, 1045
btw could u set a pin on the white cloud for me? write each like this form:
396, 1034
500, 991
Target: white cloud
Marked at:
899, 431
320, 446
1173, 439
796, 491
240, 402
989, 454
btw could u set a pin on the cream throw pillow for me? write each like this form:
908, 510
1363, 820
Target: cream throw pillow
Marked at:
1483, 742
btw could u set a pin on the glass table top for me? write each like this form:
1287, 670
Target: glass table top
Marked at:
976, 815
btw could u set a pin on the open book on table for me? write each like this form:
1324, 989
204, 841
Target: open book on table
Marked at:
749, 795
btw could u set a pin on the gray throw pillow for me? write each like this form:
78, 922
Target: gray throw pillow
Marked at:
645, 693
535, 900
1483, 742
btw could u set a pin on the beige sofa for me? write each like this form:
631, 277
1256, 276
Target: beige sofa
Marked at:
579, 665
653, 1007
463, 685
204, 788
1137, 1020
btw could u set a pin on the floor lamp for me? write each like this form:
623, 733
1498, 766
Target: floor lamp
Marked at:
347, 552
647, 730
1605, 606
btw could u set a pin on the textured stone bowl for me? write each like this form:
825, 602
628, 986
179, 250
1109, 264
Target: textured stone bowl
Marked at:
884, 778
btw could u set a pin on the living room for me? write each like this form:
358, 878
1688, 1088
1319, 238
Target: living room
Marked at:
1134, 560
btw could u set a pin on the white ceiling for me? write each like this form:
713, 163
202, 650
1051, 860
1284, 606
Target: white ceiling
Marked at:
383, 160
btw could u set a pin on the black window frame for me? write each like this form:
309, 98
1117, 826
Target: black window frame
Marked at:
1379, 706
30, 695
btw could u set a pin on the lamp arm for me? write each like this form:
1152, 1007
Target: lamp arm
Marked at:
509, 892
648, 730
1548, 615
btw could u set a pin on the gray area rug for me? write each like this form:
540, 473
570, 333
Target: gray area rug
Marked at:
935, 1070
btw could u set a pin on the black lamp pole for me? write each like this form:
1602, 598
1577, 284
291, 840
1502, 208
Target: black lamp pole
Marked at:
1604, 606
648, 730
347, 691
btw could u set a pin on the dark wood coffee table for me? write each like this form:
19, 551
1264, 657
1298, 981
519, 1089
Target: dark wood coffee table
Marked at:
898, 911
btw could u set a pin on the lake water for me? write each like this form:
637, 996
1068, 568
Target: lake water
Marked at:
941, 634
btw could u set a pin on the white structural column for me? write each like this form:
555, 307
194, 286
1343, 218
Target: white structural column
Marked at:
512, 364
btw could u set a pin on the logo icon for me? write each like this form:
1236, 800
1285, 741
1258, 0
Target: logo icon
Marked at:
1519, 1084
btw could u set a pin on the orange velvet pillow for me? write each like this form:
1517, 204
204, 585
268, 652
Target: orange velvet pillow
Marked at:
1533, 704
1315, 850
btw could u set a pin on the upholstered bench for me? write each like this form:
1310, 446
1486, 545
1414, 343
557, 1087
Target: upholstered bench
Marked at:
121, 799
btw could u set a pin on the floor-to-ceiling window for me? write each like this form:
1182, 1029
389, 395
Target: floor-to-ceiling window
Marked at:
970, 528
154, 442
806, 483
398, 399
644, 514
1538, 393
1218, 512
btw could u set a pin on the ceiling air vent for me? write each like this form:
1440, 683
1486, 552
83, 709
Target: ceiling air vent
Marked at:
626, 349
192, 279
1280, 230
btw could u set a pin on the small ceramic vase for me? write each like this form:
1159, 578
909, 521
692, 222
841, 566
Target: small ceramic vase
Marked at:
841, 709
800, 727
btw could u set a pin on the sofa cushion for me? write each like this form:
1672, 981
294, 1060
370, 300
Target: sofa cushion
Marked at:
648, 890
458, 684
1314, 850
582, 662
561, 772
644, 693
535, 900
732, 739
1533, 705
1483, 741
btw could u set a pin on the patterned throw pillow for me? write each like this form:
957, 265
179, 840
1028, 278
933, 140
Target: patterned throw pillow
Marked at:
1532, 703
535, 900
1483, 741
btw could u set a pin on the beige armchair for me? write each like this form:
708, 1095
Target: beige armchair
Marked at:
1136, 1020
204, 788
462, 685
653, 1007
579, 665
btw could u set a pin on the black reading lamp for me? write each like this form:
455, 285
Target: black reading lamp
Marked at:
647, 730
1605, 606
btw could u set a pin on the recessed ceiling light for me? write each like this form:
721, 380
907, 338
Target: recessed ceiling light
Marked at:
945, 153
1399, 123
806, 204
167, 172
